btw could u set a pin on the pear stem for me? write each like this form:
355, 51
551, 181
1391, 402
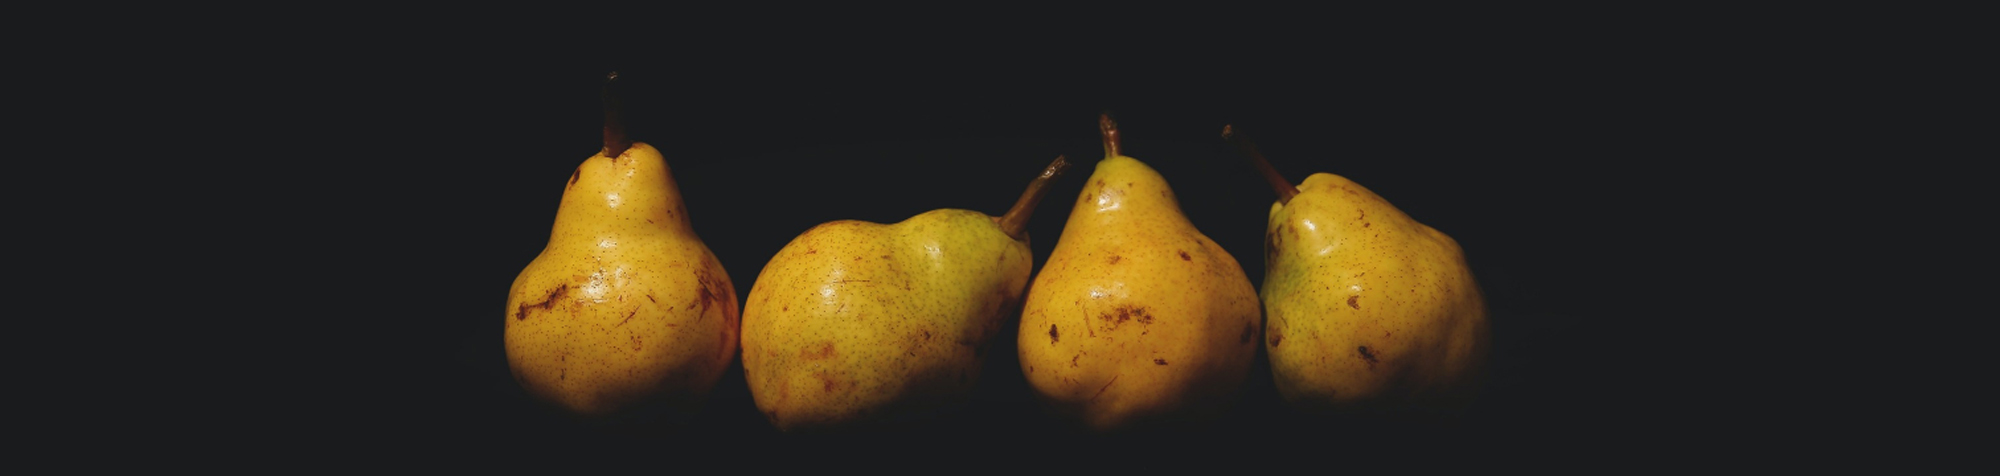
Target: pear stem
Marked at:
1015, 222
1110, 130
1285, 189
615, 141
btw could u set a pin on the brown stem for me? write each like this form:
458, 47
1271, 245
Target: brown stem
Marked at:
1015, 222
1110, 130
1285, 189
615, 141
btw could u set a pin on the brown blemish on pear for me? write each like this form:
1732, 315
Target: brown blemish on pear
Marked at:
817, 352
547, 303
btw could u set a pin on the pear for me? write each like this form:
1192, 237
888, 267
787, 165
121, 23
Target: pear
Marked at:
626, 311
1137, 319
857, 325
1367, 308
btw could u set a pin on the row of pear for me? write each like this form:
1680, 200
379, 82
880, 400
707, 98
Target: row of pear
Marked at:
1136, 318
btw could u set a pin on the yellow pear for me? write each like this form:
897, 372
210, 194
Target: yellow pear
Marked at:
1137, 318
1366, 308
625, 310
856, 324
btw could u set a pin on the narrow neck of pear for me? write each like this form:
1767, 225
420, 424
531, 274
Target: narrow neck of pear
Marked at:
1015, 222
1122, 186
1133, 183
651, 181
633, 193
1285, 189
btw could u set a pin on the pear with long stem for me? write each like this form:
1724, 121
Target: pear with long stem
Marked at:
857, 324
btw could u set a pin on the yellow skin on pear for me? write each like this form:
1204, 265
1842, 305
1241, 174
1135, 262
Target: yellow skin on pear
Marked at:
1137, 316
1365, 305
856, 322
625, 306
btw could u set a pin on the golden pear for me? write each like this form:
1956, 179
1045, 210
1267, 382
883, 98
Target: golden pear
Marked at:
625, 309
1366, 308
1137, 318
856, 324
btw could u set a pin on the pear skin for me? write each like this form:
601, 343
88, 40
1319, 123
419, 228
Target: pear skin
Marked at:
1366, 304
856, 324
1137, 318
625, 312
1367, 309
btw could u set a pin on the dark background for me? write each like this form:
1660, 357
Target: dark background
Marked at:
1557, 155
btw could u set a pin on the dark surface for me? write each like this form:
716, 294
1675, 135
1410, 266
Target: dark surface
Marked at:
1542, 156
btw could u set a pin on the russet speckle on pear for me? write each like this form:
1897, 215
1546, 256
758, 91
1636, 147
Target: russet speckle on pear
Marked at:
1366, 308
854, 324
625, 308
1137, 318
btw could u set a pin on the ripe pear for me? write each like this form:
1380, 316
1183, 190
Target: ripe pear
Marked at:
856, 324
1367, 308
625, 311
1137, 318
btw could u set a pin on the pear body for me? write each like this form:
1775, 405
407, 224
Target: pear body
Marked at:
1137, 317
1366, 307
854, 324
625, 309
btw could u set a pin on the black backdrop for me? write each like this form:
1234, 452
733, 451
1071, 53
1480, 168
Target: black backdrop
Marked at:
1539, 152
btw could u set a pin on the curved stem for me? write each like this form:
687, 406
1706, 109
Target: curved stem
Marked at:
1110, 130
1285, 189
615, 141
1015, 222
